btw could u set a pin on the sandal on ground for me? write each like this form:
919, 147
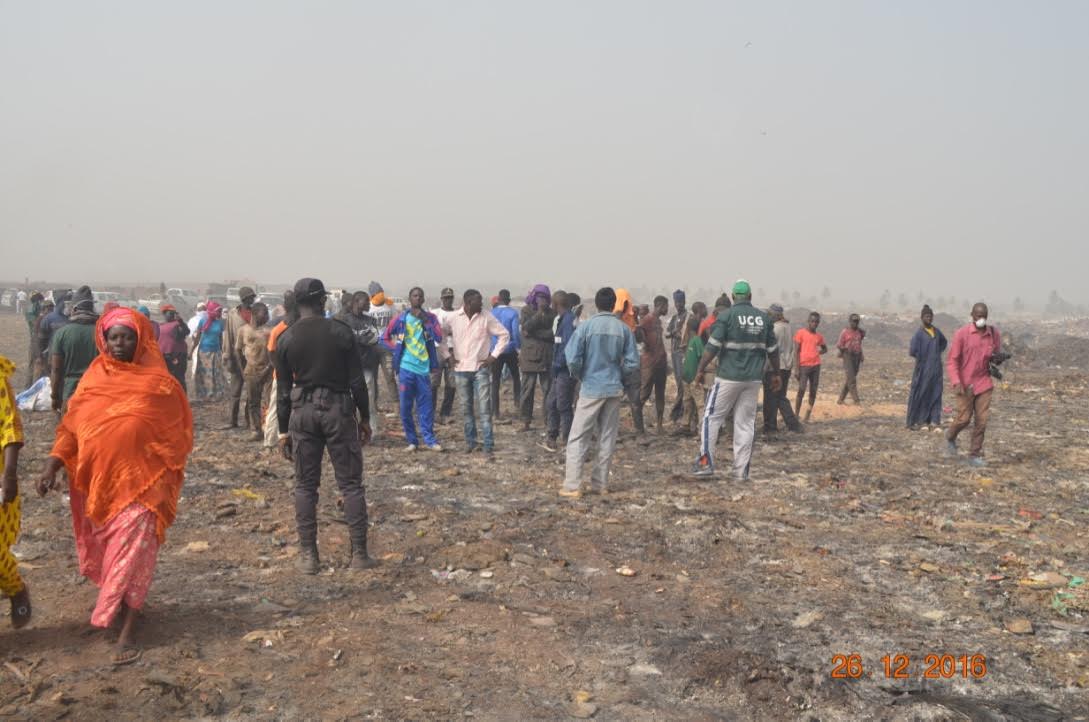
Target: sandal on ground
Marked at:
126, 655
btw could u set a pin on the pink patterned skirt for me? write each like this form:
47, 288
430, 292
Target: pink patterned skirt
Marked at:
118, 557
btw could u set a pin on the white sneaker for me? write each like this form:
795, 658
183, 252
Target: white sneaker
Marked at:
410, 447
435, 447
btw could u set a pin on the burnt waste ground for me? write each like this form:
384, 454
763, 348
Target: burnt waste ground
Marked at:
668, 598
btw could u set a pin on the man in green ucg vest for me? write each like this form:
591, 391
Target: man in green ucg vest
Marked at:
743, 341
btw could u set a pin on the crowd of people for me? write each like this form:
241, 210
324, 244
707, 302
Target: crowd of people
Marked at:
123, 384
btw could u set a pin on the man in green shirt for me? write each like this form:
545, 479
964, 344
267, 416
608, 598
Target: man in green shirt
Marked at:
73, 348
33, 311
743, 342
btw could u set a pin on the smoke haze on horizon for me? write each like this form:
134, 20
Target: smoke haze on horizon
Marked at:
936, 147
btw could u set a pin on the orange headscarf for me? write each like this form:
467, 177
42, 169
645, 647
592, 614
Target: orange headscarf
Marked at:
128, 429
628, 318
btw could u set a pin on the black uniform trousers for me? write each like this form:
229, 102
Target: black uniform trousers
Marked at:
322, 419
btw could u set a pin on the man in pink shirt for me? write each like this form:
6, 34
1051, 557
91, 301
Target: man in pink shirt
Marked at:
470, 330
969, 372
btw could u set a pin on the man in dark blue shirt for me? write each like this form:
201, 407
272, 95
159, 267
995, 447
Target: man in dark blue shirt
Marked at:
509, 358
558, 404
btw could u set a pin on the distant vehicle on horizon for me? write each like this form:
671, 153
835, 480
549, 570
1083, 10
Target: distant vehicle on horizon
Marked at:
152, 302
104, 297
191, 298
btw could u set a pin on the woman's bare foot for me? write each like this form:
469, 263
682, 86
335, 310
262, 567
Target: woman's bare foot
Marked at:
20, 608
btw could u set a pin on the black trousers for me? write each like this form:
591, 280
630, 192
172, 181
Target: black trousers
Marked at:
530, 381
443, 375
851, 364
176, 364
507, 360
559, 406
632, 387
322, 419
776, 402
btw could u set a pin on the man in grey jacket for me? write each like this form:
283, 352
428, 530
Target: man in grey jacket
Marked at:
776, 402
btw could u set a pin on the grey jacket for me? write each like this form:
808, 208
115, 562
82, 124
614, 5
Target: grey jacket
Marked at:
785, 341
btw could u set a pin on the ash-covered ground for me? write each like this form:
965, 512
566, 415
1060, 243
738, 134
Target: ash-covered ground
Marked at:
497, 599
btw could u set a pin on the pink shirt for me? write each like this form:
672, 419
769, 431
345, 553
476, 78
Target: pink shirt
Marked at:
968, 356
472, 338
850, 339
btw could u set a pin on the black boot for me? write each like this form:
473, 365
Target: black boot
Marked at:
360, 560
308, 560
234, 413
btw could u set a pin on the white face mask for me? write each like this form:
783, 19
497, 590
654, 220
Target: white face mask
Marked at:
981, 323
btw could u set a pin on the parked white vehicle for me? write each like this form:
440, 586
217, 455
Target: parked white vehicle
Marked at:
190, 297
152, 302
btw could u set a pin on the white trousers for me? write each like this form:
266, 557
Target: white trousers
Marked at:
740, 398
600, 417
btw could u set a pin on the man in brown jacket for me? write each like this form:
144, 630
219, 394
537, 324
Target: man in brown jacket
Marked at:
240, 316
535, 357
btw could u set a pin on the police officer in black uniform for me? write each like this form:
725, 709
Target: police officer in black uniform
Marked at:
321, 401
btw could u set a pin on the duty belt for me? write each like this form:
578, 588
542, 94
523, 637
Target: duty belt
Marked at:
322, 392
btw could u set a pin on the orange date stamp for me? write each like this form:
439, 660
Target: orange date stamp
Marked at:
903, 666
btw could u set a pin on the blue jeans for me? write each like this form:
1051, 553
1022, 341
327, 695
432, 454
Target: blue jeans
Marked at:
415, 389
476, 386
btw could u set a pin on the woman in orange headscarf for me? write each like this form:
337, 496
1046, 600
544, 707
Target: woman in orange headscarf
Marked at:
124, 443
625, 309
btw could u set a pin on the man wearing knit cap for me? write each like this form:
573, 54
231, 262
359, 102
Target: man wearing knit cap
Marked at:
240, 316
743, 342
51, 322
73, 348
321, 402
675, 332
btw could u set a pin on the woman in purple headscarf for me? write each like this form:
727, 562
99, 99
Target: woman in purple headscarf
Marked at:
535, 356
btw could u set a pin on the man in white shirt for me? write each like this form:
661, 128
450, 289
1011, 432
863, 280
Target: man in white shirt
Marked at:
445, 373
382, 313
470, 330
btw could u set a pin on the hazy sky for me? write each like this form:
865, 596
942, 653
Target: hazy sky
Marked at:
860, 145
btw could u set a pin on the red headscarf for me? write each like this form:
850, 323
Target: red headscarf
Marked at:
128, 430
214, 311
118, 316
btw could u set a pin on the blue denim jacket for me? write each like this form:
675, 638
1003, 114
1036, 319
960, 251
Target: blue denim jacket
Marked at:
600, 354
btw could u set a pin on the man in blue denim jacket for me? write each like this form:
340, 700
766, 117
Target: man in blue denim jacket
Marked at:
602, 355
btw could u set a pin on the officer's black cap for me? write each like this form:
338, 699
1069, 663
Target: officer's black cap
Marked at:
309, 288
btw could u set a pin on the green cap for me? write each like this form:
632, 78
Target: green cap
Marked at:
741, 288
